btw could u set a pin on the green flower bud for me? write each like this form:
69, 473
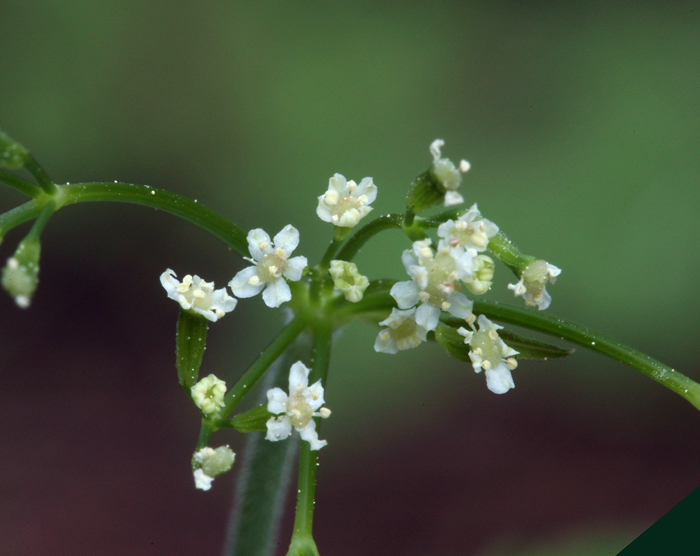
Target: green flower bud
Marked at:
482, 275
348, 280
20, 276
12, 154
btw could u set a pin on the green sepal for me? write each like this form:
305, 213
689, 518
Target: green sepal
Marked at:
528, 348
190, 343
253, 420
424, 193
12, 154
452, 341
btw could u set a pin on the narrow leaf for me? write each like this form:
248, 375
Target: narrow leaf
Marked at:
190, 342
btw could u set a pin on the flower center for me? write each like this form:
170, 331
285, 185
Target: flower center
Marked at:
271, 266
344, 204
442, 271
535, 277
299, 411
490, 349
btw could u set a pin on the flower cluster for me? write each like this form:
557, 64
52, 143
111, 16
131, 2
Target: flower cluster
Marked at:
446, 173
434, 284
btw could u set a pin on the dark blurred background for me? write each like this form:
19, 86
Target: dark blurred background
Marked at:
582, 124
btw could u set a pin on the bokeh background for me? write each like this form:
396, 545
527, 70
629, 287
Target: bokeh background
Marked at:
582, 124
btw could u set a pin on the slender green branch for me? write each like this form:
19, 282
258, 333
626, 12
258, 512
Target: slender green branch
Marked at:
185, 208
261, 364
364, 234
21, 185
583, 336
42, 178
506, 251
19, 215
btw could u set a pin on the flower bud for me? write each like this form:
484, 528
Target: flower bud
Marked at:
12, 154
348, 280
482, 275
20, 276
211, 463
208, 394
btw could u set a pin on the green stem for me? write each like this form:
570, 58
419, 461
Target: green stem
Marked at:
42, 178
364, 234
205, 433
41, 221
583, 336
306, 491
506, 251
19, 215
185, 208
261, 364
21, 185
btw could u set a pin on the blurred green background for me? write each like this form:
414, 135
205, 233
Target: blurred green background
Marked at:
582, 125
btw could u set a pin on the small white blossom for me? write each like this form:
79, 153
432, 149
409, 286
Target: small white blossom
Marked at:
194, 294
468, 231
272, 266
212, 464
490, 353
208, 394
532, 284
447, 174
435, 282
402, 332
346, 203
348, 280
297, 409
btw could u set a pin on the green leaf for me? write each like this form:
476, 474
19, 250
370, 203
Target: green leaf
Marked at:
532, 349
253, 420
452, 341
190, 342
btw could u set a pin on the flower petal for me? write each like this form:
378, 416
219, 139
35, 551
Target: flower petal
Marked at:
367, 187
298, 377
427, 316
278, 428
259, 243
295, 267
339, 184
287, 239
385, 343
309, 434
499, 380
460, 305
277, 401
405, 294
276, 293
315, 398
240, 284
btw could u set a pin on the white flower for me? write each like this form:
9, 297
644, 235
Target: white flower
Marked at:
435, 282
346, 203
297, 409
348, 280
194, 294
469, 231
533, 281
208, 394
272, 266
212, 464
446, 174
490, 353
402, 333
